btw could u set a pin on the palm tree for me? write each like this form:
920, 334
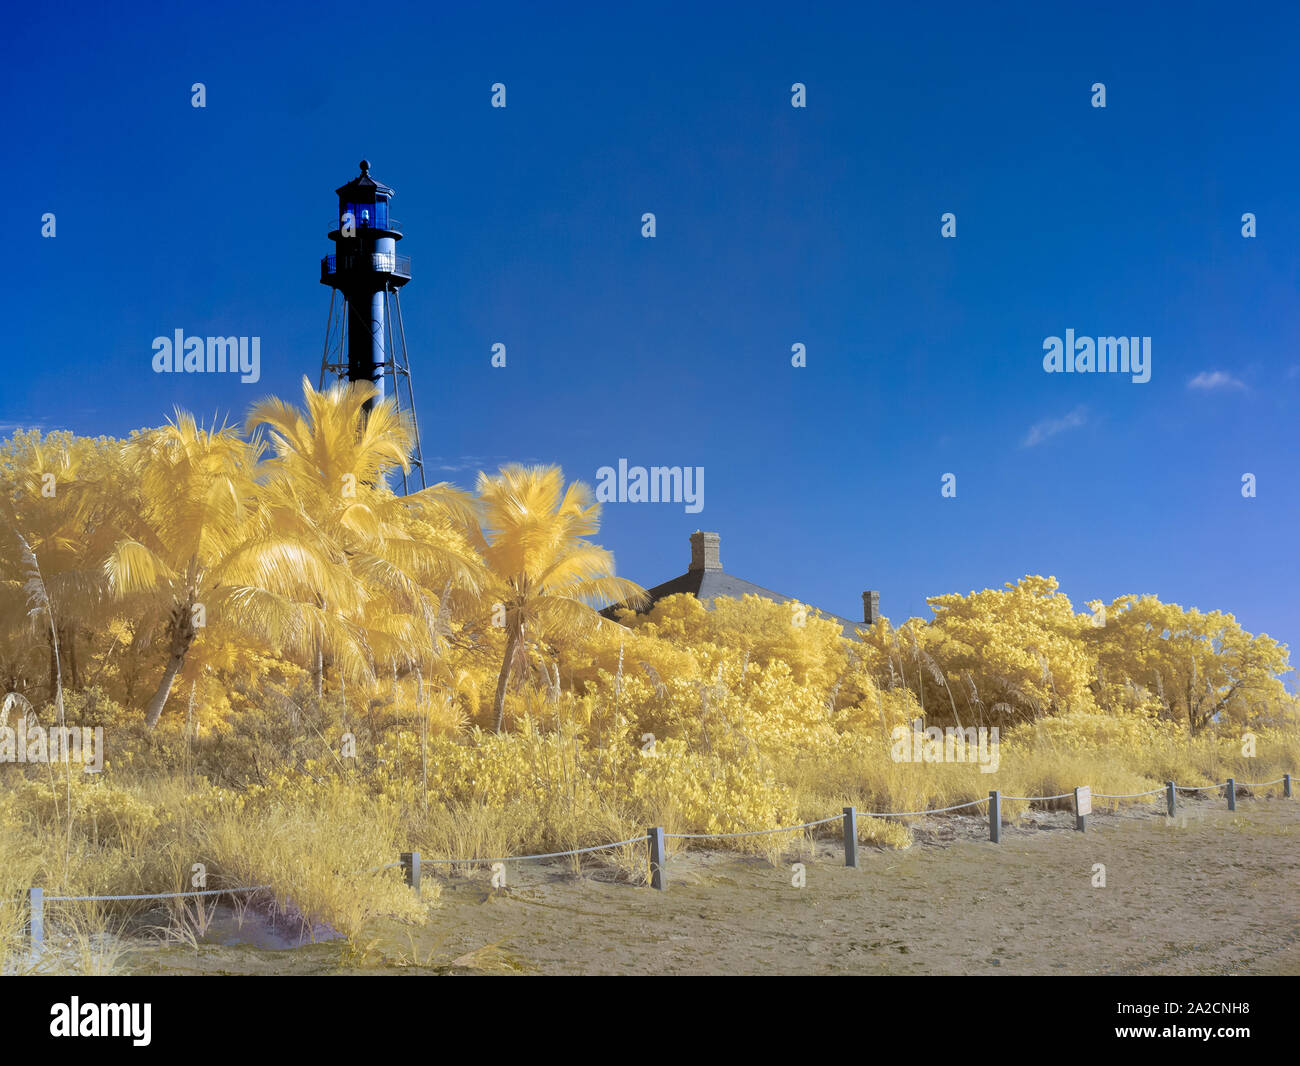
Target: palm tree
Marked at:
332, 458
203, 539
544, 575
60, 497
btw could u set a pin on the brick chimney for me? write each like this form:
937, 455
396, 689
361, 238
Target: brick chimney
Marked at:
870, 607
705, 551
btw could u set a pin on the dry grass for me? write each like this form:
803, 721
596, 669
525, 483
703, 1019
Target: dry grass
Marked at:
312, 842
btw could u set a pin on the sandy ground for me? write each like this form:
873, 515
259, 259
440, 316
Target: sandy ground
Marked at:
1211, 892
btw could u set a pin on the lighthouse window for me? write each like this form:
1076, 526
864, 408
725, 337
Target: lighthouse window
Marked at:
369, 216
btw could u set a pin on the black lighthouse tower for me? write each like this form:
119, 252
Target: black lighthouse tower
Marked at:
366, 274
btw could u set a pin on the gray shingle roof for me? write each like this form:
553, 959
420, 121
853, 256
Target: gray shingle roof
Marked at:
708, 585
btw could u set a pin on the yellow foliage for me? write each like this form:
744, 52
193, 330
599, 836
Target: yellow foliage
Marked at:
329, 711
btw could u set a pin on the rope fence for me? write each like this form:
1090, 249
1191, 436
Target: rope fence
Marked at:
547, 855
913, 814
1061, 795
412, 864
754, 833
158, 895
1132, 795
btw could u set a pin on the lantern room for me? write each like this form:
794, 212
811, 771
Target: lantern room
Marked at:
364, 202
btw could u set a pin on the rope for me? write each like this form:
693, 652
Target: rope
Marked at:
909, 814
162, 895
548, 855
186, 895
754, 833
1031, 798
1126, 795
635, 839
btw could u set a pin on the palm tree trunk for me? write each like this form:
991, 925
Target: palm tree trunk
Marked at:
58, 707
68, 652
54, 666
318, 672
159, 699
318, 661
182, 636
499, 704
424, 735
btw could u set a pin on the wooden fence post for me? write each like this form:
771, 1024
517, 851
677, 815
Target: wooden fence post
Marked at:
1286, 786
850, 836
1232, 794
1171, 791
411, 869
995, 816
655, 838
1082, 807
36, 921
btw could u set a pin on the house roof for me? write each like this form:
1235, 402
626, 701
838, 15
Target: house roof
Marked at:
707, 581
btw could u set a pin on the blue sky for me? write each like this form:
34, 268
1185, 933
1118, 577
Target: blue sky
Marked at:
775, 225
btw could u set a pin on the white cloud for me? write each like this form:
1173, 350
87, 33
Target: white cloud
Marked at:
7, 429
457, 464
1208, 380
1051, 427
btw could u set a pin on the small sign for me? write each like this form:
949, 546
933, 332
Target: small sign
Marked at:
1083, 800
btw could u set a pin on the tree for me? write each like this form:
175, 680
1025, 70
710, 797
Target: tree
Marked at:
331, 459
544, 577
1010, 654
1198, 667
61, 496
204, 548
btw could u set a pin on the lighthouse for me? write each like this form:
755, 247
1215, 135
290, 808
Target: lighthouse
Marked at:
365, 338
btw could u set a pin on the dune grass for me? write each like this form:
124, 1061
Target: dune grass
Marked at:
316, 833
